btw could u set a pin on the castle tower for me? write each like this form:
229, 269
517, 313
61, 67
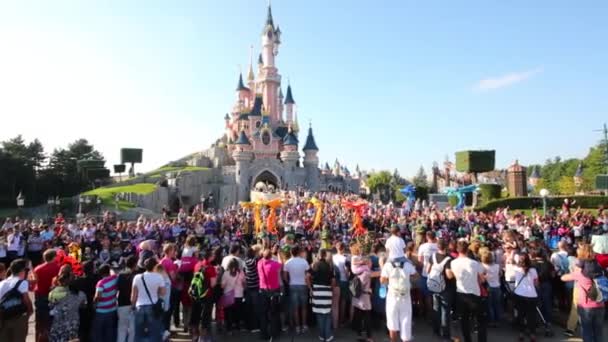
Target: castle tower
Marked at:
311, 161
290, 157
242, 156
270, 78
289, 104
534, 177
516, 180
242, 94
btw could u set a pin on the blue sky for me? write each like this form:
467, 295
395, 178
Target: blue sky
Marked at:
387, 84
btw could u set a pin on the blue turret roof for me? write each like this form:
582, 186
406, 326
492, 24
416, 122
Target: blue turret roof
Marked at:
257, 106
535, 172
310, 144
260, 60
241, 86
242, 140
269, 20
289, 96
290, 139
579, 171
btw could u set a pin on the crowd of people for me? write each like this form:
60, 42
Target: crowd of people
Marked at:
215, 273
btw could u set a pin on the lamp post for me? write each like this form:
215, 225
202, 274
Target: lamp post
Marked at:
50, 202
80, 203
544, 193
98, 206
20, 203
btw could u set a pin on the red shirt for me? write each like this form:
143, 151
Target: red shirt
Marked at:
210, 272
171, 269
44, 278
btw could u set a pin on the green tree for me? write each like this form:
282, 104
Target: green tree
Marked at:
566, 186
421, 179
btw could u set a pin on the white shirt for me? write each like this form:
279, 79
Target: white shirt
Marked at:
467, 273
524, 283
154, 282
395, 246
492, 274
10, 282
339, 261
558, 259
228, 258
14, 242
426, 251
387, 269
296, 267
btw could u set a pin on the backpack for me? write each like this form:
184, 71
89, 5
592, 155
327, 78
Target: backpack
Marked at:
563, 265
399, 282
598, 292
356, 286
544, 270
12, 304
435, 281
199, 287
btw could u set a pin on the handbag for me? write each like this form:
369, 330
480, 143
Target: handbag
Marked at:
157, 307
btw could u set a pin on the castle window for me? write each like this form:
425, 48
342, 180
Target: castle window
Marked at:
266, 138
258, 124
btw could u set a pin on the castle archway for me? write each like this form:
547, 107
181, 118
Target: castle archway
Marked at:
266, 181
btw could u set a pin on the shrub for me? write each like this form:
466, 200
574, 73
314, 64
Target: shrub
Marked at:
586, 202
490, 192
475, 161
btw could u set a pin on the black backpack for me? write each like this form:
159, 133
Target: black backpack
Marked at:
356, 286
12, 304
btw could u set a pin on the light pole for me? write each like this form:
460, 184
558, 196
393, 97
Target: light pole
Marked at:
544, 193
98, 206
50, 202
20, 203
80, 203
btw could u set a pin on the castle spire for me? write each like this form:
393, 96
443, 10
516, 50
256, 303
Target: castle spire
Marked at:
289, 96
250, 75
269, 20
310, 144
241, 86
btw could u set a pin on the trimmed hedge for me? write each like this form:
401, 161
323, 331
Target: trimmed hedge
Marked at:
453, 201
586, 202
475, 161
489, 192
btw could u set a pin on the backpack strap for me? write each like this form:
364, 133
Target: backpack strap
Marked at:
15, 288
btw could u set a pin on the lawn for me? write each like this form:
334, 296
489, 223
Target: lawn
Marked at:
107, 194
166, 169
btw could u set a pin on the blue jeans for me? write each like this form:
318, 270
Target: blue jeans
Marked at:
105, 327
324, 323
442, 305
495, 304
591, 323
148, 327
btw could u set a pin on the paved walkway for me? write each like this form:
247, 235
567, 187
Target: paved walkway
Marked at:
422, 332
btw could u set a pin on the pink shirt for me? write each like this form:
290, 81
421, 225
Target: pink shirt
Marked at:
269, 271
171, 269
583, 285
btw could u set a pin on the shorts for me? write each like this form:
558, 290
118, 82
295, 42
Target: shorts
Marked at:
399, 316
298, 296
201, 313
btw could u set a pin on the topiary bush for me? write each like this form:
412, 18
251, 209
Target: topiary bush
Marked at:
489, 192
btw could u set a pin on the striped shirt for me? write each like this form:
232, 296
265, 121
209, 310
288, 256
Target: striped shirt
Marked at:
321, 298
251, 273
107, 289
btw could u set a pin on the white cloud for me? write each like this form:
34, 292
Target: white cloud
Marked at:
493, 83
